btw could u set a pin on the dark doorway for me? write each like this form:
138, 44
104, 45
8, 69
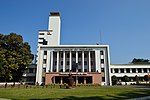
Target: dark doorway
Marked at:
89, 80
81, 80
57, 79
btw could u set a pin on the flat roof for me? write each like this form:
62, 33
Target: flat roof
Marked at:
74, 46
54, 14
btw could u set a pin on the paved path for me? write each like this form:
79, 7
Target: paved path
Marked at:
142, 98
4, 99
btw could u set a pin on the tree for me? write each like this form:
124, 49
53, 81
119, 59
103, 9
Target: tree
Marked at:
140, 61
15, 56
146, 78
125, 79
114, 80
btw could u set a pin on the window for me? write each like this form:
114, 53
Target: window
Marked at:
101, 53
41, 38
85, 70
85, 62
133, 70
41, 33
127, 70
44, 61
67, 62
73, 55
79, 70
116, 70
30, 70
139, 70
45, 52
102, 61
61, 55
67, 55
44, 42
111, 70
103, 79
121, 70
61, 62
79, 62
102, 70
44, 69
85, 55
55, 63
145, 70
91, 62
79, 55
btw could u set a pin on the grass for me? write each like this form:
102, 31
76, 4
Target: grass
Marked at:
78, 93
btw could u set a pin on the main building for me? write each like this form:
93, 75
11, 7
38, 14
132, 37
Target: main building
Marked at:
87, 63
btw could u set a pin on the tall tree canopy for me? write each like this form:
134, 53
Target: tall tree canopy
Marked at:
15, 55
140, 61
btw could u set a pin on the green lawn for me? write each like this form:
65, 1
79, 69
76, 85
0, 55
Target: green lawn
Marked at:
78, 93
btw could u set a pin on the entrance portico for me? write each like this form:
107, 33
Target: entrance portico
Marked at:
84, 78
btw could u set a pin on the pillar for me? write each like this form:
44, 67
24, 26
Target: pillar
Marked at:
70, 61
48, 62
51, 61
57, 67
119, 70
40, 67
125, 70
76, 80
84, 80
64, 60
82, 61
130, 70
89, 61
76, 56
61, 80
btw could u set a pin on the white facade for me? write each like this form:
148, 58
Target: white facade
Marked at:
130, 70
63, 58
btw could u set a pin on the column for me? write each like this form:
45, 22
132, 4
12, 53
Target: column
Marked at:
70, 61
125, 70
76, 56
142, 70
61, 80
147, 70
130, 70
39, 67
113, 71
89, 61
136, 70
119, 70
57, 67
82, 61
64, 60
84, 80
51, 61
48, 62
76, 79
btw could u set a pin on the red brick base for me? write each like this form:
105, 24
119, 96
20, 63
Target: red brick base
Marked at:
96, 77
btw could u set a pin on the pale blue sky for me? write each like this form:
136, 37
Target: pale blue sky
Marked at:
125, 24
